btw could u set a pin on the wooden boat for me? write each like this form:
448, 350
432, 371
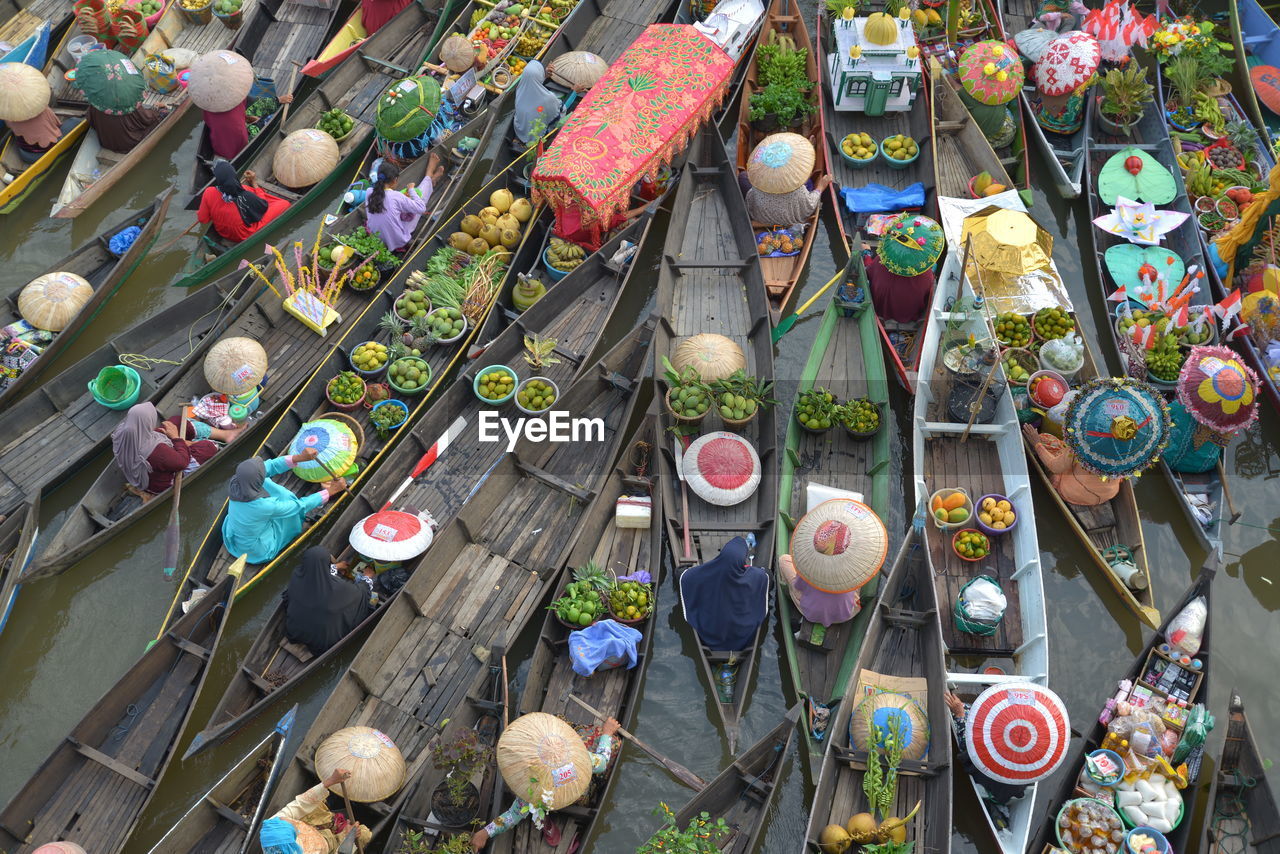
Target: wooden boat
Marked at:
575, 315
486, 570
901, 340
982, 459
1254, 32
783, 19
18, 532
902, 653
614, 693
1242, 806
110, 505
33, 51
101, 268
742, 793
98, 781
228, 817
847, 359
709, 281
960, 149
21, 19
1096, 731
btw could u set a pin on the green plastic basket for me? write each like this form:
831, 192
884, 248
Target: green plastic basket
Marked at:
116, 387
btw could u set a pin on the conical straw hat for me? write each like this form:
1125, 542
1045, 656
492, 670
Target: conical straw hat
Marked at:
722, 468
24, 92
713, 356
304, 157
51, 301
579, 68
878, 711
376, 764
235, 365
539, 754
457, 53
220, 80
780, 163
839, 545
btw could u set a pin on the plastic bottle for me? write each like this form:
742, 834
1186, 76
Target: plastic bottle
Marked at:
726, 678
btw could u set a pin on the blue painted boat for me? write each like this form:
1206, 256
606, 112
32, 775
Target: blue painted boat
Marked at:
33, 50
1255, 31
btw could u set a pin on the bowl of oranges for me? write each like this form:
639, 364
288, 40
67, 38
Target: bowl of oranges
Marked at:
970, 544
859, 150
899, 151
996, 515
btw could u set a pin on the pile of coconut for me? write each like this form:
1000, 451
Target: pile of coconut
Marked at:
497, 226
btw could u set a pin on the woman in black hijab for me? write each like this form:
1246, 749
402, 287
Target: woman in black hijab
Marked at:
237, 210
322, 607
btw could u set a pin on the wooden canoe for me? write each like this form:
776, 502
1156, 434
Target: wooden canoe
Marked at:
33, 51
709, 281
486, 570
344, 42
783, 18
228, 817
983, 459
902, 653
847, 359
742, 794
1095, 731
1242, 805
961, 151
106, 272
614, 693
110, 506
1254, 31
1152, 136
901, 340
98, 781
18, 532
575, 315
21, 19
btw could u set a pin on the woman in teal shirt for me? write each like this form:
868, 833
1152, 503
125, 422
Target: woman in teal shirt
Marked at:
263, 517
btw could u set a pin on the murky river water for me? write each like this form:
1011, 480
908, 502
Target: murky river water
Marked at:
73, 636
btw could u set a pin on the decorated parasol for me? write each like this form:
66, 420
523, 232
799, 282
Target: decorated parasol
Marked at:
1118, 27
1005, 241
1017, 732
578, 69
910, 245
110, 82
722, 468
24, 92
1125, 263
1117, 426
1033, 43
1140, 222
377, 767
1068, 63
839, 545
335, 444
877, 716
235, 365
543, 760
1219, 390
780, 163
52, 300
392, 535
991, 72
407, 109
1134, 174
220, 80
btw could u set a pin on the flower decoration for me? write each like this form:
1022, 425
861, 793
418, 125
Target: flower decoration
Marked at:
1140, 222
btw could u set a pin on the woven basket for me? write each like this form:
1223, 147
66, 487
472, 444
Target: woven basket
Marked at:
967, 624
349, 421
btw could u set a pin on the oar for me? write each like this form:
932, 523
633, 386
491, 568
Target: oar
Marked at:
433, 453
1226, 492
784, 325
681, 773
191, 229
684, 495
172, 533
351, 814
293, 76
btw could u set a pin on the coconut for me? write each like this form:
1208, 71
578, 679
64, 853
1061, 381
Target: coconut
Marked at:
472, 224
522, 210
459, 240
861, 825
834, 839
509, 237
502, 199
490, 213
491, 234
508, 221
478, 246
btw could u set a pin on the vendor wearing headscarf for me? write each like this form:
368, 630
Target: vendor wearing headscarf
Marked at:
726, 599
901, 270
1071, 480
322, 607
817, 606
237, 210
229, 129
306, 826
537, 107
122, 132
263, 517
150, 453
1193, 448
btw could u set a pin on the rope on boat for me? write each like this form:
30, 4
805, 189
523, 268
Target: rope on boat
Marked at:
1230, 811
143, 362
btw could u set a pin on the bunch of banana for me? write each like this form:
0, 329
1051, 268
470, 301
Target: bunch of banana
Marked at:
1208, 111
564, 256
1200, 180
776, 38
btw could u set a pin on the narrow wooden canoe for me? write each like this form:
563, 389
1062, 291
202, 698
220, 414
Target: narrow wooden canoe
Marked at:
485, 571
614, 693
98, 780
1242, 805
902, 653
228, 817
273, 665
742, 794
33, 51
709, 281
344, 42
847, 359
20, 19
784, 19
18, 532
1254, 33
1095, 731
961, 151
101, 268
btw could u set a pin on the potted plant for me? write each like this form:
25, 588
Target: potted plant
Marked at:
700, 836
417, 842
455, 801
739, 398
1183, 74
784, 83
688, 398
1125, 94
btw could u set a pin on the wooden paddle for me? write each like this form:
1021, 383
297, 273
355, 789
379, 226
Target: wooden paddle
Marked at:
784, 325
351, 814
293, 76
681, 773
172, 533
1226, 492
191, 229
684, 496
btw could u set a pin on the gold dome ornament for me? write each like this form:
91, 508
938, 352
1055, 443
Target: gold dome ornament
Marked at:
855, 52
880, 29
849, 13
913, 52
904, 14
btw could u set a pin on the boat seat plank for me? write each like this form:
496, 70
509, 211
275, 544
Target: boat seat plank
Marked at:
94, 755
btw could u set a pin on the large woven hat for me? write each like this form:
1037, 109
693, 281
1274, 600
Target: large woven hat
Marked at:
713, 356
406, 110
24, 92
391, 535
51, 301
579, 68
110, 81
539, 753
873, 718
235, 365
839, 545
219, 80
377, 767
304, 157
780, 163
457, 53
722, 468
59, 847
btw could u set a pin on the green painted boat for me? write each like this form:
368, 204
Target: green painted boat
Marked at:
846, 359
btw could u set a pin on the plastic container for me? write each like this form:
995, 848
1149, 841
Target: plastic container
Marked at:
987, 529
1096, 784
1025, 358
366, 375
78, 46
552, 272
345, 407
1031, 384
946, 493
200, 15
855, 162
1057, 827
116, 387
962, 531
554, 388
456, 338
893, 163
475, 385
420, 389
1182, 811
1162, 844
231, 21
394, 404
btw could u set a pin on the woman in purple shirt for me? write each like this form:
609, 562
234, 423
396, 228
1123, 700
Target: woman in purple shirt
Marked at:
393, 216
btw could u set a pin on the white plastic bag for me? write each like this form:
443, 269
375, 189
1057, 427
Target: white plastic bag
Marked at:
984, 601
1187, 629
1064, 355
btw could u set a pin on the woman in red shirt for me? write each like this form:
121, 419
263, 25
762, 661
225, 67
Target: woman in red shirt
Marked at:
237, 210
150, 453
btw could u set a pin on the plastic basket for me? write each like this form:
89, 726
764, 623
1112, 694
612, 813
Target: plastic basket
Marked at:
968, 624
475, 385
116, 387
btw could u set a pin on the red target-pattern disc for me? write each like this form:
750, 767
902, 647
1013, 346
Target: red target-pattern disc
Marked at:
1017, 733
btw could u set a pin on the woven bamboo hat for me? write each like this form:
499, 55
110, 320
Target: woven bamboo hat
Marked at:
219, 80
235, 365
579, 68
377, 767
24, 92
878, 712
713, 356
457, 53
722, 468
839, 545
58, 847
304, 157
51, 301
780, 163
539, 753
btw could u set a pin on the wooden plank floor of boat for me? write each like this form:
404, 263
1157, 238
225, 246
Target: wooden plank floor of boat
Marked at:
295, 32
613, 31
24, 23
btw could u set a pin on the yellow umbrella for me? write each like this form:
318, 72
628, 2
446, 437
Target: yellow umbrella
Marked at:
1007, 241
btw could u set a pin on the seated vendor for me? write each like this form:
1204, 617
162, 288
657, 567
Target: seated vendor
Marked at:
151, 454
306, 826
1071, 480
121, 132
36, 136
1192, 448
786, 208
264, 518
321, 606
817, 606
229, 129
394, 215
537, 108
903, 299
237, 210
996, 794
726, 599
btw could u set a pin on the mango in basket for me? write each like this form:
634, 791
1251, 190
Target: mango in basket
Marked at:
859, 146
997, 514
900, 147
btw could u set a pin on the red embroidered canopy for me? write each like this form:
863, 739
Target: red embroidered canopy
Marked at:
639, 115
